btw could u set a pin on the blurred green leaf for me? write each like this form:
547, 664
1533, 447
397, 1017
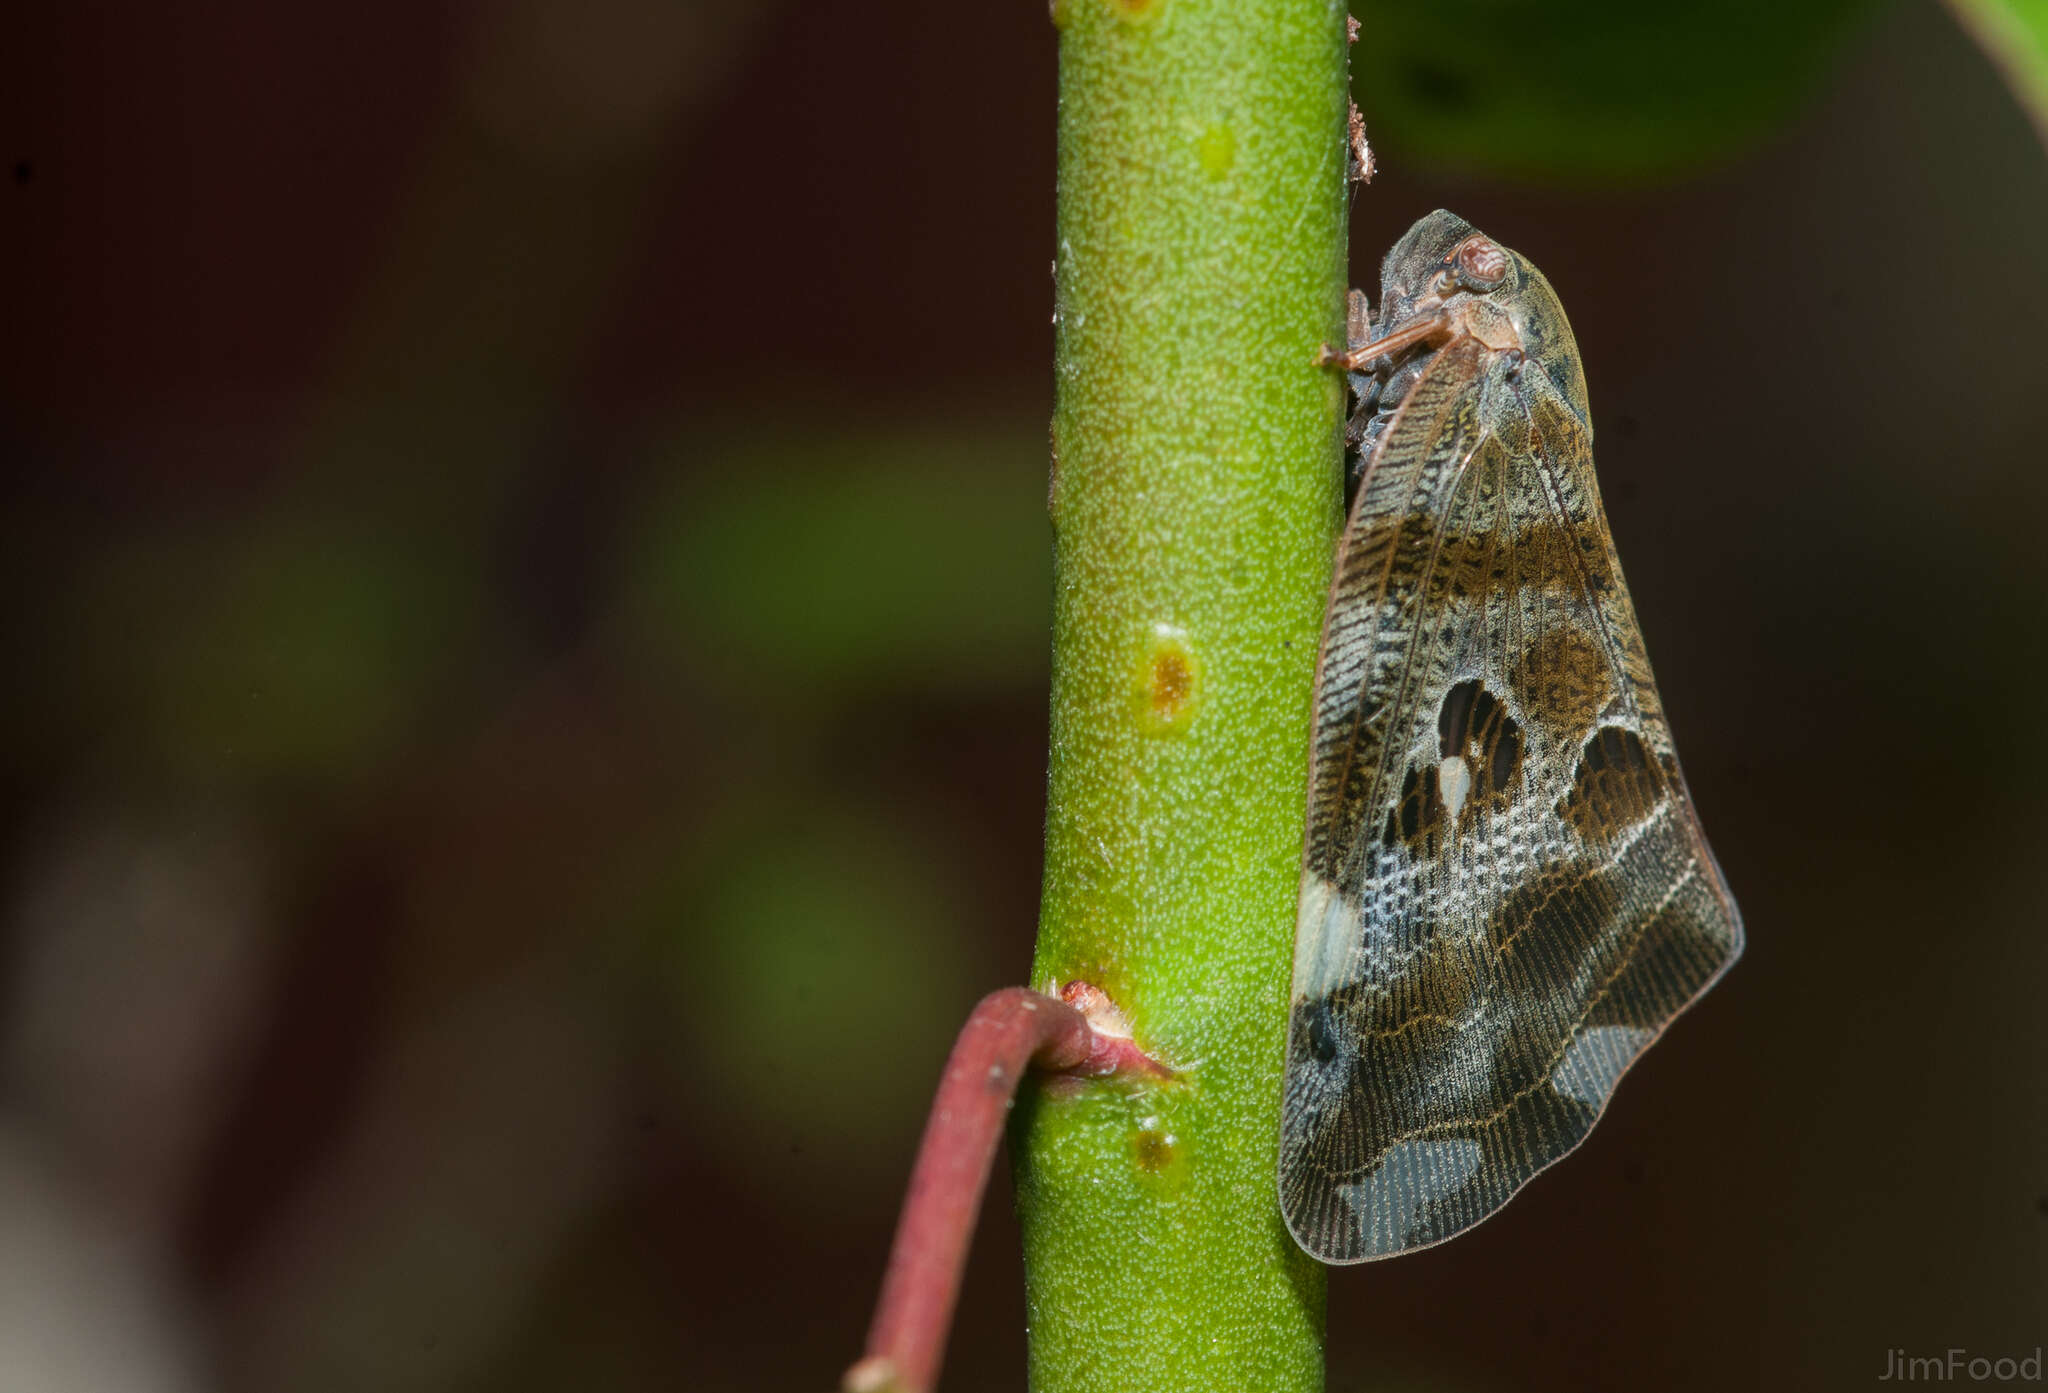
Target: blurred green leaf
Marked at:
813, 974
1592, 89
272, 647
2015, 34
849, 558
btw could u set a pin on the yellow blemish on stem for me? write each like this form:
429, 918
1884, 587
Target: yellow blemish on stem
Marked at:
1153, 1149
1168, 682
1217, 148
1159, 1155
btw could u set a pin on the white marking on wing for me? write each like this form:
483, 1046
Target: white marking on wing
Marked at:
1454, 781
1595, 1059
1326, 935
1409, 1177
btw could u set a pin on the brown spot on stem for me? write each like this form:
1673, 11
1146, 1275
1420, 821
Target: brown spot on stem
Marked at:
1172, 683
1153, 1149
1169, 682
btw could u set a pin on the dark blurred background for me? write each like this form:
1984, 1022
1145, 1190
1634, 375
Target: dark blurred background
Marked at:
526, 606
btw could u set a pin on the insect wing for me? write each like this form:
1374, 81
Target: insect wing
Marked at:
1505, 893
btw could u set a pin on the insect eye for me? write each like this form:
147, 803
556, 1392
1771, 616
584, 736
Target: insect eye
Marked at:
1481, 263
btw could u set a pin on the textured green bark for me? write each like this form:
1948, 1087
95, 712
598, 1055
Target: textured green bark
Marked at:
1197, 448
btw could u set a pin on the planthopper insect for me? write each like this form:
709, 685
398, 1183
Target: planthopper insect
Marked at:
1505, 893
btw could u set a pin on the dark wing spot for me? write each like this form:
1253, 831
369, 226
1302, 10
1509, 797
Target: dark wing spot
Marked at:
1322, 1033
1618, 783
1625, 750
1472, 722
1416, 818
1454, 718
1411, 804
1504, 756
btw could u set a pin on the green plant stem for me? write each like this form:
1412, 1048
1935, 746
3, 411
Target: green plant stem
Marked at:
1197, 447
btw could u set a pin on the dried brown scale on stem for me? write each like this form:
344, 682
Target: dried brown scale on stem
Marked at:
1363, 165
1009, 1031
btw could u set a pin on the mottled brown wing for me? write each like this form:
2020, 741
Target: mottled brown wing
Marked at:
1505, 894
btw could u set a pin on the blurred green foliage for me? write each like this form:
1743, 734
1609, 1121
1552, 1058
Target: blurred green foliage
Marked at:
285, 647
1587, 89
852, 558
785, 574
2015, 34
807, 925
